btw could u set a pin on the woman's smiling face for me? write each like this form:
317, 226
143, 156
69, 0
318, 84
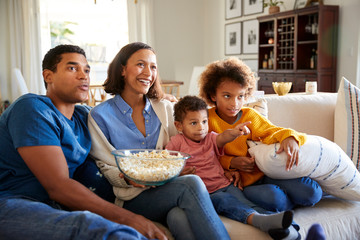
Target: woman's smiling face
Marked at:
140, 71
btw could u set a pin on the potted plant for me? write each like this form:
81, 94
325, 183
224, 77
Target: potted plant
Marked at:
273, 5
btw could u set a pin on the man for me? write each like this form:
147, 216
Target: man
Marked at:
43, 140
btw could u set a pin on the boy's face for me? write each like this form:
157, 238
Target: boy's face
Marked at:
194, 126
229, 99
70, 83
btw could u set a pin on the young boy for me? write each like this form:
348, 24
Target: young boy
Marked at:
191, 120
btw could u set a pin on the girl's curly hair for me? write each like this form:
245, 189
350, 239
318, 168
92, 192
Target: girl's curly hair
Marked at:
232, 69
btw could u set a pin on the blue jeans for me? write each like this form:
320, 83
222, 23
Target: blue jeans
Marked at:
281, 195
231, 202
184, 206
23, 218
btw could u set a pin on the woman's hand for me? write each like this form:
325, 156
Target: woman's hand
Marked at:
245, 164
234, 176
130, 182
291, 147
188, 170
170, 97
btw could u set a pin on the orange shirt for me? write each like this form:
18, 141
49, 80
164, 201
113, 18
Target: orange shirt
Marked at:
261, 129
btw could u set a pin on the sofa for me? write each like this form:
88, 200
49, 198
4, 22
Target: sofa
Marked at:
312, 114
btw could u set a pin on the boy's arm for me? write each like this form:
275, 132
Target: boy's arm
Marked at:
49, 165
230, 134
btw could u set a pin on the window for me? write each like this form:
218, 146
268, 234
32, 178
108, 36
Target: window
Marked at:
101, 29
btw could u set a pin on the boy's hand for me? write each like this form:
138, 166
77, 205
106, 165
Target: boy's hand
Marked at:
188, 170
241, 129
234, 176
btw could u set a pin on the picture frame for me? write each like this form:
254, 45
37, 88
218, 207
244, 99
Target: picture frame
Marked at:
233, 9
300, 4
252, 63
233, 38
253, 7
250, 36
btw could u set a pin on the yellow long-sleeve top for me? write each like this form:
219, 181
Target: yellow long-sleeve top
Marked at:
261, 129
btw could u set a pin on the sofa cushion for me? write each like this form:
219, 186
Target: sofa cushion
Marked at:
347, 120
259, 105
319, 159
308, 113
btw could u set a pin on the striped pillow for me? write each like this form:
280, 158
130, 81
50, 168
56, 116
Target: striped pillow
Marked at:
347, 120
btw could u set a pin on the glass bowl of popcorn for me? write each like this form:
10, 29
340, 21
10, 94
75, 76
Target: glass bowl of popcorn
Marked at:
150, 167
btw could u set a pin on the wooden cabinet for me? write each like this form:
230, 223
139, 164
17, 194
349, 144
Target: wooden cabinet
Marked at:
301, 45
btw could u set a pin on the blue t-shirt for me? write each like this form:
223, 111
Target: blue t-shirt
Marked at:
114, 119
33, 120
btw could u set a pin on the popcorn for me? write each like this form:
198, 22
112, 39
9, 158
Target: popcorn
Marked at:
154, 166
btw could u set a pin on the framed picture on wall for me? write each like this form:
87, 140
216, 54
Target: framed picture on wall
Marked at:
250, 36
232, 8
253, 6
233, 38
300, 4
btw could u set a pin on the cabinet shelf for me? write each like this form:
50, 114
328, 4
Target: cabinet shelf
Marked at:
305, 48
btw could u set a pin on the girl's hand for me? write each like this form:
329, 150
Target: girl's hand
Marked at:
188, 170
234, 176
291, 147
245, 164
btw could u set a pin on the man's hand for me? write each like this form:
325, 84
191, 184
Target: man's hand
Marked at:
245, 164
146, 227
291, 147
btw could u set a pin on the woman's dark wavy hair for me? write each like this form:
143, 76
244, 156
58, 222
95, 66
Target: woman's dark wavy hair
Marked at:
232, 69
115, 82
54, 56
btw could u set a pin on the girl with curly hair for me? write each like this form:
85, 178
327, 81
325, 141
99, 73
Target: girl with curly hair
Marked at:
225, 85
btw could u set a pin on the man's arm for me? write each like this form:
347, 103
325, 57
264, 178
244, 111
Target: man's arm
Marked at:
49, 165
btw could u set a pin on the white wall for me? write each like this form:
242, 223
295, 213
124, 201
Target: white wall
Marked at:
191, 33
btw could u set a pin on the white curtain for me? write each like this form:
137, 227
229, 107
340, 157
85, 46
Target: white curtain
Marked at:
21, 27
140, 20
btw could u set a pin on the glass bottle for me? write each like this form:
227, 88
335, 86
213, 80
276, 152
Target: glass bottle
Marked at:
265, 62
313, 59
271, 60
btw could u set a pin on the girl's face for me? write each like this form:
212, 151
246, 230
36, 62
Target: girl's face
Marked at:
229, 99
194, 126
140, 71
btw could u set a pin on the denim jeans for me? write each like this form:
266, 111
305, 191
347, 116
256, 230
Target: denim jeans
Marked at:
281, 195
23, 218
184, 206
231, 202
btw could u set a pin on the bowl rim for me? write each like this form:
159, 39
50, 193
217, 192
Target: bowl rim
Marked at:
117, 153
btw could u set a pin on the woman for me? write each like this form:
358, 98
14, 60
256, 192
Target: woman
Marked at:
137, 117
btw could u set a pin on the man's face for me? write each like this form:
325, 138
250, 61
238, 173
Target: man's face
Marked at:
70, 83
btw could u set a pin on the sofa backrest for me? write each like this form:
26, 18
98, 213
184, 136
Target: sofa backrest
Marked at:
309, 113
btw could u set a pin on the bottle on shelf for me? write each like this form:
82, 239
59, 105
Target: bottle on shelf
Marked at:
265, 62
271, 60
313, 59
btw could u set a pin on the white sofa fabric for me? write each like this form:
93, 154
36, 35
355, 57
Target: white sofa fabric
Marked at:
312, 114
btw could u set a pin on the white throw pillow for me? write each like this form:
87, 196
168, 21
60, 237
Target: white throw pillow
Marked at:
319, 159
347, 120
259, 105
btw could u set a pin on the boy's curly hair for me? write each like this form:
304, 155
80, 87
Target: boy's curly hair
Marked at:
232, 69
188, 104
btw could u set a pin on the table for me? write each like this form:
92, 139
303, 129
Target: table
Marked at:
170, 85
